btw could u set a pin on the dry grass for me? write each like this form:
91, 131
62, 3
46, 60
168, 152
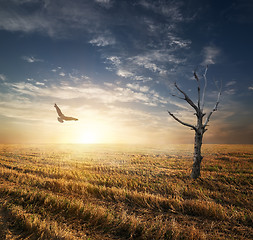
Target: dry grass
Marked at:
111, 192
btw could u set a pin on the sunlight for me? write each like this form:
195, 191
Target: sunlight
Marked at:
89, 137
92, 131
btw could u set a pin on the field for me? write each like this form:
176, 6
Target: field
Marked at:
125, 192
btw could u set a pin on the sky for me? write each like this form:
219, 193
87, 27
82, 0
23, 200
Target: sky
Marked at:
113, 64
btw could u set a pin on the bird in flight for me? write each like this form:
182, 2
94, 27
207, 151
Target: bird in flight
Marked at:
62, 117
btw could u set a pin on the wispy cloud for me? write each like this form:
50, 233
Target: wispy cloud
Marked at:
231, 91
3, 77
178, 43
62, 74
16, 21
31, 59
80, 87
138, 67
40, 83
114, 60
57, 19
230, 88
124, 73
210, 54
156, 61
105, 3
250, 87
231, 83
154, 45
102, 41
137, 87
170, 10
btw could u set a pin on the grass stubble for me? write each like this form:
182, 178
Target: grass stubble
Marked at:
87, 192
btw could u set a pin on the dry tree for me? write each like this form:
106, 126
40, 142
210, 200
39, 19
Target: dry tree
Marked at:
200, 127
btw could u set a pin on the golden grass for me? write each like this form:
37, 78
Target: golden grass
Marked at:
113, 192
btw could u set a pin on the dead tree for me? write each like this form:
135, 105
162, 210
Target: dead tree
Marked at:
200, 127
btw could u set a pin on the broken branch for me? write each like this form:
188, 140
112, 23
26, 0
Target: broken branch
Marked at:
204, 89
183, 123
187, 99
214, 109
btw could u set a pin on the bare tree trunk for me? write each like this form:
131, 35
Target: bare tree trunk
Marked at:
200, 128
197, 155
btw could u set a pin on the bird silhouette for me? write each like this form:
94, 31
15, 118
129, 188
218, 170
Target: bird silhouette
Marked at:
62, 117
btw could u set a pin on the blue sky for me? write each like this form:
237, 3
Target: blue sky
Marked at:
112, 64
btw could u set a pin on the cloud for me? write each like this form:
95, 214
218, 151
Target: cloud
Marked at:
3, 77
142, 78
129, 49
76, 88
177, 42
24, 88
250, 87
102, 41
57, 19
170, 10
231, 83
40, 83
114, 60
156, 60
148, 64
16, 21
129, 71
62, 74
138, 87
124, 73
210, 54
104, 3
230, 91
31, 59
60, 19
21, 2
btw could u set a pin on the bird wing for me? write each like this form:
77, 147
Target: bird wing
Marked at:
61, 115
60, 120
69, 118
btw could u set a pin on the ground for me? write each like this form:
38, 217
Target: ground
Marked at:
125, 192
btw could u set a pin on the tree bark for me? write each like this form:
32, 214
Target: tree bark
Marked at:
200, 128
197, 154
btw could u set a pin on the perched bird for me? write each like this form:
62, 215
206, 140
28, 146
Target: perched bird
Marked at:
62, 117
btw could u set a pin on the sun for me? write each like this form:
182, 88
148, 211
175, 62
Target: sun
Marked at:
89, 137
93, 132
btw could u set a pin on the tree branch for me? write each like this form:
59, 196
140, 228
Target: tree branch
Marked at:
214, 109
187, 99
183, 123
196, 77
173, 95
204, 89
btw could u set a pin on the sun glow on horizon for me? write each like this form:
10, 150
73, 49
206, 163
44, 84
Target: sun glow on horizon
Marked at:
92, 132
89, 137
